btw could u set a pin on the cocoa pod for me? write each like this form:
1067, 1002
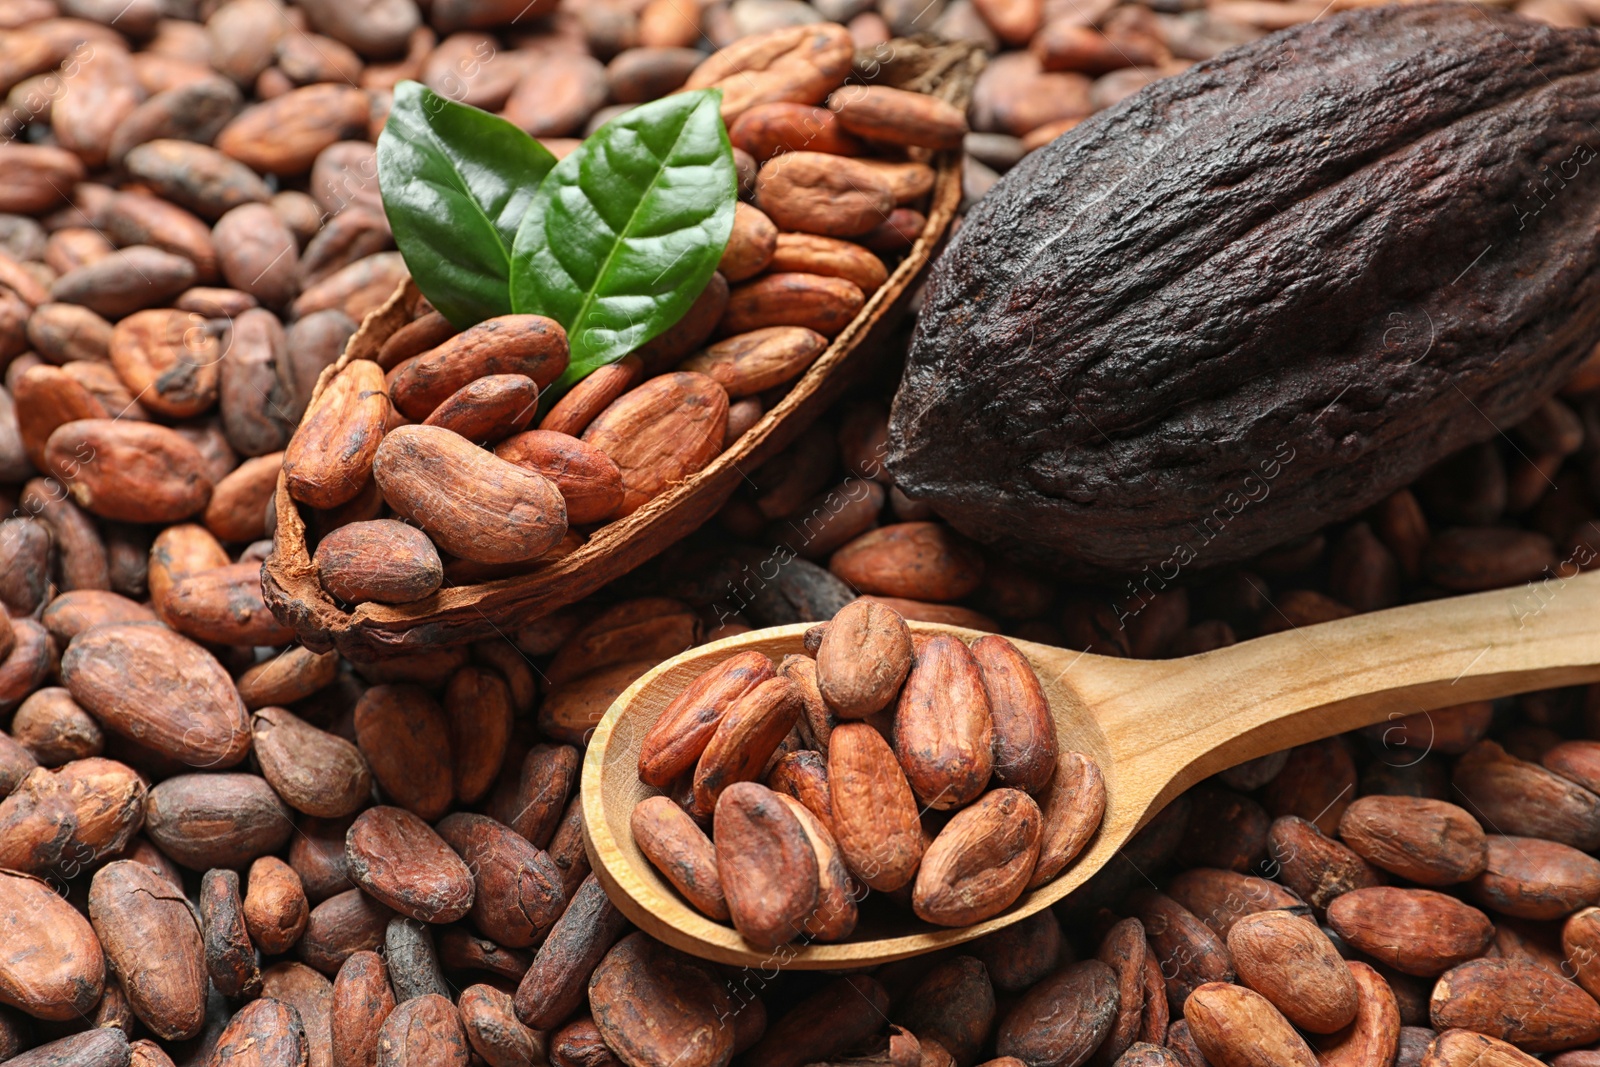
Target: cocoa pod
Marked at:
275, 907
129, 471
1219, 1017
556, 983
676, 740
589, 482
1525, 800
378, 560
652, 1004
766, 864
399, 860
799, 64
1415, 931
473, 504
661, 433
216, 820
329, 459
875, 814
62, 821
1293, 964
747, 735
313, 771
1424, 841
1534, 879
517, 891
159, 689
403, 734
980, 862
1063, 1018
422, 1032
1522, 1003
230, 957
361, 1001
51, 965
152, 941
680, 850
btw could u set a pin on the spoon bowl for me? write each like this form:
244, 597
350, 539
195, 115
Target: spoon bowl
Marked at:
1155, 727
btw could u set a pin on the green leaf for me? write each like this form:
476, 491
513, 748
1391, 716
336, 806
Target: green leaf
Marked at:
626, 231
455, 183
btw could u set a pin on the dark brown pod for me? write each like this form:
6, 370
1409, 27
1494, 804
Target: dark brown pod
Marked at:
397, 858
152, 941
517, 888
652, 1004
230, 957
556, 983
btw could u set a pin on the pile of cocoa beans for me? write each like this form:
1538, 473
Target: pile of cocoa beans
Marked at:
220, 848
813, 784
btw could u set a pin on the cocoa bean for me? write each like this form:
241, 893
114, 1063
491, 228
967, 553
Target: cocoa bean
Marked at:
216, 820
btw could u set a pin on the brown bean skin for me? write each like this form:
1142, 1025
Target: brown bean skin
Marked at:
554, 986
329, 459
152, 940
676, 740
529, 345
590, 483
1425, 841
52, 966
489, 408
424, 1032
275, 906
1025, 746
766, 864
980, 863
944, 733
745, 739
875, 814
517, 888
1063, 1018
653, 1004
680, 850
402, 862
402, 732
230, 957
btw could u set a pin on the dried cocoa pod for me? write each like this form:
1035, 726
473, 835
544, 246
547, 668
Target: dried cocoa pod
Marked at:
1424, 841
329, 459
403, 734
424, 1031
1522, 1003
766, 864
152, 941
555, 985
275, 907
529, 345
944, 736
1063, 1018
398, 859
1220, 1016
62, 821
1106, 534
216, 820
517, 891
653, 1004
1534, 879
746, 737
361, 1001
473, 504
980, 862
1524, 799
681, 851
835, 1018
799, 64
129, 471
159, 689
660, 433
344, 924
1415, 931
676, 740
1317, 868
589, 482
1292, 963
230, 957
875, 814
51, 966
52, 727
534, 808
313, 771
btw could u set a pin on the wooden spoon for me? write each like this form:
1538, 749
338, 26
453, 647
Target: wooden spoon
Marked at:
1154, 726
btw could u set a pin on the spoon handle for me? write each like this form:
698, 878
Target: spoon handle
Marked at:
1189, 718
